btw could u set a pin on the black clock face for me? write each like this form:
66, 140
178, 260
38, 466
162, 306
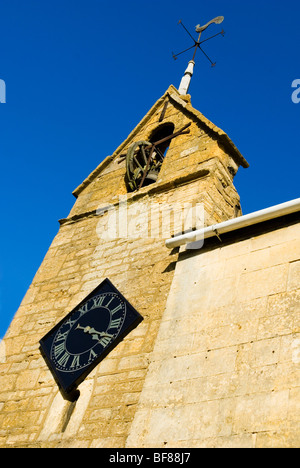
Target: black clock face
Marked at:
84, 336
87, 334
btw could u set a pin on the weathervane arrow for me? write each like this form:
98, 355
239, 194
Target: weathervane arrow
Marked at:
186, 79
217, 20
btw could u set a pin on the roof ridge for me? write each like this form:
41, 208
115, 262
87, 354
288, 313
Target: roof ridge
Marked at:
183, 101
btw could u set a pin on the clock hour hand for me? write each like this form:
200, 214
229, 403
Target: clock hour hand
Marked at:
94, 332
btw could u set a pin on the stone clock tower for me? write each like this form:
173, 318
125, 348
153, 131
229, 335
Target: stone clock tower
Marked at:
117, 228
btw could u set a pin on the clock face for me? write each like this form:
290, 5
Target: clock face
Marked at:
87, 334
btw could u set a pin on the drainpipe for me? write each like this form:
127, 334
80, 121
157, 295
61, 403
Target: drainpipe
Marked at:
237, 223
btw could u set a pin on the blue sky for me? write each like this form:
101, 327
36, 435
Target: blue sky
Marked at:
80, 75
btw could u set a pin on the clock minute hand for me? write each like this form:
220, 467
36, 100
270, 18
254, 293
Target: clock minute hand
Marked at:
92, 331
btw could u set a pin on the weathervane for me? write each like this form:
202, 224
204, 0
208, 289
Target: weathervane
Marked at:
186, 79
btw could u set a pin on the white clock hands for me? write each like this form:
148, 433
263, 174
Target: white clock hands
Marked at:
93, 332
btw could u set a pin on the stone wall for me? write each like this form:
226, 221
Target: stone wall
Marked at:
226, 363
198, 168
75, 264
215, 362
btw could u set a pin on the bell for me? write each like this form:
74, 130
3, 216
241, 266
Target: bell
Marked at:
150, 178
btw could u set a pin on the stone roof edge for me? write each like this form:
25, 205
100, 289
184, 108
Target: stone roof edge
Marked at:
108, 159
225, 140
184, 101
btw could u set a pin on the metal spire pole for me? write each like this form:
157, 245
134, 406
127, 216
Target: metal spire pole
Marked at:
186, 79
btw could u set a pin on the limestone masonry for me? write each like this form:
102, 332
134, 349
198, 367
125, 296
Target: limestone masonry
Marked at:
215, 362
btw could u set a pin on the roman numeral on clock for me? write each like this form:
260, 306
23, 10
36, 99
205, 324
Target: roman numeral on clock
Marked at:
93, 355
115, 323
116, 309
59, 349
64, 359
62, 336
75, 361
104, 341
98, 301
83, 309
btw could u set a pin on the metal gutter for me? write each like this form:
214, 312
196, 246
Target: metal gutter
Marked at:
236, 223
